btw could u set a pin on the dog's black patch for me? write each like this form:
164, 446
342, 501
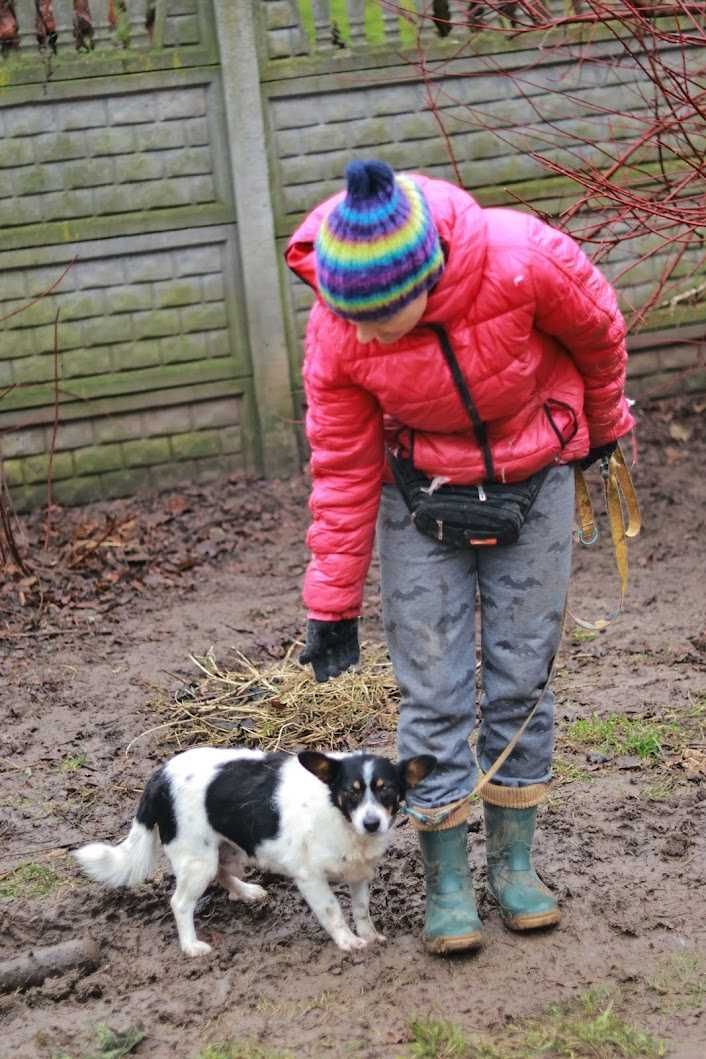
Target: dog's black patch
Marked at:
348, 787
240, 803
157, 806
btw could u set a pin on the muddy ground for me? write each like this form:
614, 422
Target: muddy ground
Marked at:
622, 838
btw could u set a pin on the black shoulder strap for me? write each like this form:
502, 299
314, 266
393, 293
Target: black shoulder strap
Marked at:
466, 399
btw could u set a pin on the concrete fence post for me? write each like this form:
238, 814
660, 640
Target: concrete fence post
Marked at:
264, 314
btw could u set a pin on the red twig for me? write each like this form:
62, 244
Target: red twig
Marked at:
55, 428
53, 286
638, 171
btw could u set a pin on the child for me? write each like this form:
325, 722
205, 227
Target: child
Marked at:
403, 265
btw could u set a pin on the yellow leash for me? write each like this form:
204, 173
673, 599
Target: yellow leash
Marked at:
623, 518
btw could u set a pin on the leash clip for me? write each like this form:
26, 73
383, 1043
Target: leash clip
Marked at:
583, 539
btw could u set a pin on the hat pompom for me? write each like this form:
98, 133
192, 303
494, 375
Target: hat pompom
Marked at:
365, 180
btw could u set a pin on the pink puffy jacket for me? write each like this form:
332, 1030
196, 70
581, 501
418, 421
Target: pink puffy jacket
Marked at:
540, 340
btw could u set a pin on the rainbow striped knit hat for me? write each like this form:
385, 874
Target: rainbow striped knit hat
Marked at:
378, 249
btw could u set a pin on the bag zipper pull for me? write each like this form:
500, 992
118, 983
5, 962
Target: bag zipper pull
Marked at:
439, 530
481, 493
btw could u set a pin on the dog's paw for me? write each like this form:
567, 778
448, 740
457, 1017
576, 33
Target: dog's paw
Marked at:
248, 893
197, 948
350, 942
370, 935
255, 894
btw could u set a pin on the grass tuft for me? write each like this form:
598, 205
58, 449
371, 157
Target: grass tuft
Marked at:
73, 762
566, 771
659, 791
112, 1044
681, 980
581, 635
28, 880
241, 1051
436, 1039
619, 734
589, 1027
279, 705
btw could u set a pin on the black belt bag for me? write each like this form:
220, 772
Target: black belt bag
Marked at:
464, 516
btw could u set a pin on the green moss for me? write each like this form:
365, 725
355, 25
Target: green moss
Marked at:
130, 355
11, 471
16, 344
182, 348
28, 497
146, 451
87, 228
130, 299
79, 362
196, 444
75, 491
36, 179
98, 459
160, 322
36, 468
31, 69
138, 167
37, 315
80, 306
178, 293
114, 385
124, 483
203, 317
15, 152
34, 369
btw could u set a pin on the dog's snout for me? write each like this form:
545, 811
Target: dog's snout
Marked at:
371, 823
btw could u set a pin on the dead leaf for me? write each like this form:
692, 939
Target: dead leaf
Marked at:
679, 432
694, 761
177, 504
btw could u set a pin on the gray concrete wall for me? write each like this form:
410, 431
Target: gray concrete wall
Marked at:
121, 162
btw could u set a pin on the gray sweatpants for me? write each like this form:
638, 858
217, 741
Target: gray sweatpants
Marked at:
429, 592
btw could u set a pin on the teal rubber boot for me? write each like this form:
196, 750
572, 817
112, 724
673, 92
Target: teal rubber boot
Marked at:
525, 902
451, 923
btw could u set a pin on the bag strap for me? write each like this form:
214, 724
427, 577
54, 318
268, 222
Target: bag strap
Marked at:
467, 401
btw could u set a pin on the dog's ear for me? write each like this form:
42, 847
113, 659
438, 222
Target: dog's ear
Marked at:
323, 767
414, 769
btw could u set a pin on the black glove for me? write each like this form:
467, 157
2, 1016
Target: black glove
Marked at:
598, 453
331, 647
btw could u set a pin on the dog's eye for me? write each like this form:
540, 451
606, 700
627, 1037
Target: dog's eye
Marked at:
383, 789
357, 786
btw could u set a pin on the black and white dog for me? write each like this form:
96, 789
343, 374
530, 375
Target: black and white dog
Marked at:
314, 817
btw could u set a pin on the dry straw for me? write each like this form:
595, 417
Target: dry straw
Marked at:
279, 705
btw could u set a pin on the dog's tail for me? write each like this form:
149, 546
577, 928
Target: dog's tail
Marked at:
135, 858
